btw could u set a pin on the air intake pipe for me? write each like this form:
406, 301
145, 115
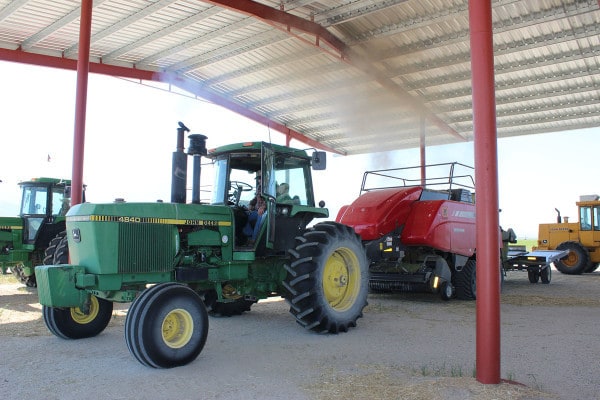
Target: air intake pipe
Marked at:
179, 169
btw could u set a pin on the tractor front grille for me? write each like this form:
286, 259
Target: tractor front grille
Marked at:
146, 248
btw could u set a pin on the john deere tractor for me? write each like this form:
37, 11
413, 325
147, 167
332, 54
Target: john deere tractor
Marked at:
30, 238
177, 262
580, 239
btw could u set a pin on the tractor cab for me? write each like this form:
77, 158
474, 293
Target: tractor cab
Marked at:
43, 201
267, 181
25, 239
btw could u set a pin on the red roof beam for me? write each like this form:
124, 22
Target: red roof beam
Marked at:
71, 64
273, 17
128, 72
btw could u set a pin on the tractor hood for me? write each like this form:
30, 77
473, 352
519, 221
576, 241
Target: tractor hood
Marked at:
378, 212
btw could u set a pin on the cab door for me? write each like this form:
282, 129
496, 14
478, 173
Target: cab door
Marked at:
268, 190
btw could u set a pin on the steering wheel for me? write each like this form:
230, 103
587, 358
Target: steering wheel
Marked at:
236, 189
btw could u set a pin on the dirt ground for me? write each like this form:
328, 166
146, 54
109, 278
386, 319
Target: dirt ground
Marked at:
407, 346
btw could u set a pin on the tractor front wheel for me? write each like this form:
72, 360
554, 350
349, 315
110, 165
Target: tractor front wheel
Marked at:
166, 326
327, 278
72, 323
576, 261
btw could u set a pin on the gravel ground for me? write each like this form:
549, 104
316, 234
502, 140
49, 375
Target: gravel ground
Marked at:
407, 346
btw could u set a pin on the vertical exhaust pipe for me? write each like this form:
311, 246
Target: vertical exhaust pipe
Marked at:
179, 168
197, 149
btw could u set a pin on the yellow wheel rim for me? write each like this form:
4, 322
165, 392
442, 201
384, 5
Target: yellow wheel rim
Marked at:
78, 316
571, 260
341, 279
177, 328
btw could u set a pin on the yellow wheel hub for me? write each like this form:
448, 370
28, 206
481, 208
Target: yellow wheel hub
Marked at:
177, 328
341, 279
571, 260
80, 317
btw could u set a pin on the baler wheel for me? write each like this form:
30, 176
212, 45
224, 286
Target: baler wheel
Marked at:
166, 326
446, 290
465, 282
576, 262
327, 278
72, 323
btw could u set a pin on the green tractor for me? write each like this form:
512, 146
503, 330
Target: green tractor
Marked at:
178, 262
31, 238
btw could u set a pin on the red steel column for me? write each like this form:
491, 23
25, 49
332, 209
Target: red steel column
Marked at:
486, 189
83, 67
422, 150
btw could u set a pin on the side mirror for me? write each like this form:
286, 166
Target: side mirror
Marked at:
319, 160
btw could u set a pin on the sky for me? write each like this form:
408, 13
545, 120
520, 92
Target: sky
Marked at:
131, 135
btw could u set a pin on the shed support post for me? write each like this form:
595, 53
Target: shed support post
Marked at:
422, 150
83, 67
486, 189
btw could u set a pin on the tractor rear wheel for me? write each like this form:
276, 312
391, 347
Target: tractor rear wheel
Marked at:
166, 326
576, 261
465, 281
19, 273
50, 257
72, 323
29, 280
327, 278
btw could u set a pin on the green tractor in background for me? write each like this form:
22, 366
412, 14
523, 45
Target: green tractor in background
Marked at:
178, 262
31, 238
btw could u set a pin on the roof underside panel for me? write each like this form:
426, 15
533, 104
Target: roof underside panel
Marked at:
355, 75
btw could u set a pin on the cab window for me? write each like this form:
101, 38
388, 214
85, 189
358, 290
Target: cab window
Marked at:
585, 218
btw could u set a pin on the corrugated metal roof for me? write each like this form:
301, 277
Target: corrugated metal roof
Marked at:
355, 75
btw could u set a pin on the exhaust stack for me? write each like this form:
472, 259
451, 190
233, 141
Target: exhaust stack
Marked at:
197, 149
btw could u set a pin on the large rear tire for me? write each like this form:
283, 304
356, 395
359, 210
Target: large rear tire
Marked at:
327, 278
576, 262
19, 273
166, 326
48, 259
50, 254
